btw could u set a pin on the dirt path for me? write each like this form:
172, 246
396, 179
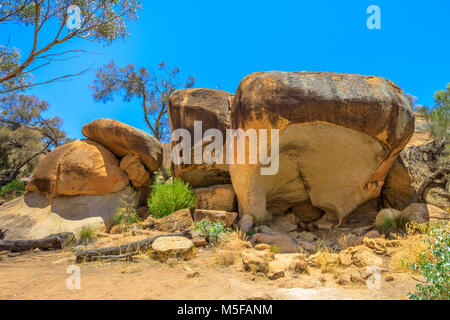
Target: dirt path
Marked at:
43, 275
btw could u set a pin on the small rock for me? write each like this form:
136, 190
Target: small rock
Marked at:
264, 296
342, 280
36, 250
178, 221
372, 234
363, 256
14, 254
199, 241
307, 246
265, 229
262, 246
283, 242
389, 278
348, 240
171, 262
307, 236
276, 270
191, 273
143, 212
257, 261
301, 266
148, 223
275, 275
361, 230
356, 278
345, 256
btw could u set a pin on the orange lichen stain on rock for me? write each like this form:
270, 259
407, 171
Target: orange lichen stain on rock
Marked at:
383, 136
375, 81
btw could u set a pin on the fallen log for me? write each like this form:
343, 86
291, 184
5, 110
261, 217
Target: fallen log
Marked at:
424, 185
130, 249
55, 241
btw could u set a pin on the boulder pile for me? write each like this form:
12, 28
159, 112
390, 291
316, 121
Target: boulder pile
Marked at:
84, 182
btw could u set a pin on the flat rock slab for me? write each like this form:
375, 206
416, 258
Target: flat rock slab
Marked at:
166, 247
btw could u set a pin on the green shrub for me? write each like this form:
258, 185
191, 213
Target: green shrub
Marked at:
274, 248
437, 118
86, 234
434, 266
126, 216
168, 198
394, 224
250, 232
13, 186
213, 232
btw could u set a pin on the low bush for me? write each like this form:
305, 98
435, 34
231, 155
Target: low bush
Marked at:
86, 234
393, 224
13, 186
434, 266
212, 231
167, 198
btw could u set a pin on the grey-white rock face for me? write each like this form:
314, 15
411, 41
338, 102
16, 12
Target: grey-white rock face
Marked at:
35, 216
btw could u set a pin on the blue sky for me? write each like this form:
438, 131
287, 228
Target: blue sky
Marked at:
220, 42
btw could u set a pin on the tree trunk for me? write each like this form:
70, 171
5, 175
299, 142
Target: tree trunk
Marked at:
56, 241
126, 249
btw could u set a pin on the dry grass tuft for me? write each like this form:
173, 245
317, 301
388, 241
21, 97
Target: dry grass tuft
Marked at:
226, 258
326, 260
409, 252
235, 242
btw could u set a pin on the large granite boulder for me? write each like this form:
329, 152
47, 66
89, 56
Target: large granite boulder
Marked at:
123, 139
79, 167
339, 135
212, 108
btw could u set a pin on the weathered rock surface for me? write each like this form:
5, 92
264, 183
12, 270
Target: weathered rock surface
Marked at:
227, 218
360, 256
339, 136
211, 107
36, 216
178, 221
257, 261
80, 167
438, 197
123, 139
217, 197
135, 170
398, 189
